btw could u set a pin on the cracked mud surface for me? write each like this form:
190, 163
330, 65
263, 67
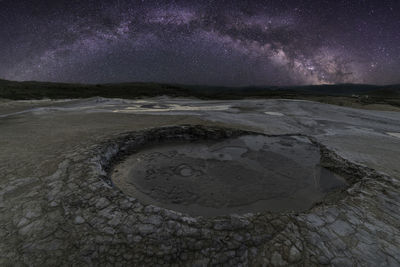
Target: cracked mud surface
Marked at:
58, 207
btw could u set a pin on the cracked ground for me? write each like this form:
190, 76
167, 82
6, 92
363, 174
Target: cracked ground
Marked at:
56, 208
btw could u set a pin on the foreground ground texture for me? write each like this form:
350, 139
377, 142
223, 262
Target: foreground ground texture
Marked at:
56, 208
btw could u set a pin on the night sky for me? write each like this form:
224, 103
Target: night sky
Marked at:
232, 43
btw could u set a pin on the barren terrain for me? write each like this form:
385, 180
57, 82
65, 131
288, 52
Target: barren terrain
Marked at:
58, 205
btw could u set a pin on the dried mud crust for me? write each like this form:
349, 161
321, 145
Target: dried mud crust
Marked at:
76, 217
157, 235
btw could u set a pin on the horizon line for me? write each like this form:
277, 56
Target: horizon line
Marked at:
196, 85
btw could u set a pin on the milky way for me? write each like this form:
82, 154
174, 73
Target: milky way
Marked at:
201, 42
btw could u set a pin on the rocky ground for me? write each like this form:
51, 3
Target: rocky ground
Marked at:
58, 207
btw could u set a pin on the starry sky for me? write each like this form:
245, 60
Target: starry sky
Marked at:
213, 42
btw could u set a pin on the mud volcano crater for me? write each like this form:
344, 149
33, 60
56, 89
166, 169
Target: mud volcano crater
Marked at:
210, 171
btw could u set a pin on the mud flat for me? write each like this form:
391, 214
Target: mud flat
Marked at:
59, 205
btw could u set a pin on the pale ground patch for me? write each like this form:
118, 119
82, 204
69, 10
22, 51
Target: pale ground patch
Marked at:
272, 113
394, 134
173, 107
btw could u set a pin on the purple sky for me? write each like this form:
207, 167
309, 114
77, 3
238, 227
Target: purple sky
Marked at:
231, 43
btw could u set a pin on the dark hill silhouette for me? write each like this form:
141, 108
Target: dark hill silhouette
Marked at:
362, 93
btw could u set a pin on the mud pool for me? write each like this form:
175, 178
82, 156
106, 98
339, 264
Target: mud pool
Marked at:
251, 173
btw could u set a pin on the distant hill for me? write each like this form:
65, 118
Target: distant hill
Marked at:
335, 90
38, 90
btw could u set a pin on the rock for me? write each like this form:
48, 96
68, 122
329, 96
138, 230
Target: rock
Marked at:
32, 228
155, 220
146, 228
341, 262
238, 237
108, 230
187, 231
22, 222
294, 254
128, 256
79, 220
102, 203
341, 228
125, 204
323, 260
276, 259
189, 220
137, 238
33, 212
201, 263
222, 225
315, 220
53, 204
115, 221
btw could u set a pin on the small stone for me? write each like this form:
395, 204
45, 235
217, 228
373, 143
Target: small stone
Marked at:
108, 230
315, 220
294, 254
146, 228
277, 260
152, 209
173, 225
155, 220
137, 238
127, 256
125, 204
102, 203
33, 213
199, 245
253, 251
323, 260
114, 221
189, 220
222, 225
31, 228
183, 256
341, 228
239, 222
79, 220
341, 262
171, 214
201, 262
187, 231
22, 222
53, 204
238, 237
131, 199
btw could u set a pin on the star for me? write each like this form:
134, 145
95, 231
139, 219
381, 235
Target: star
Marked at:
229, 43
